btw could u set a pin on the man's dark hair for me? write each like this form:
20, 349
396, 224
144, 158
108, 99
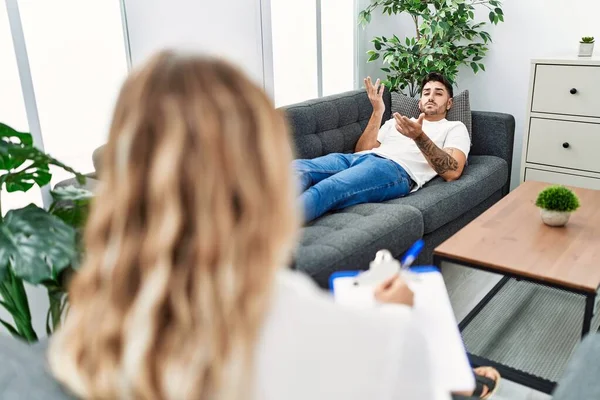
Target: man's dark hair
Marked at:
437, 77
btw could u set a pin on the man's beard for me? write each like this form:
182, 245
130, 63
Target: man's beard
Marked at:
435, 110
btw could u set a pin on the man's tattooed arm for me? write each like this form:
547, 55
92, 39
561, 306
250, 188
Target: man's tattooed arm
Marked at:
442, 161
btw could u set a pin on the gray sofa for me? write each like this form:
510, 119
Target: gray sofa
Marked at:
348, 239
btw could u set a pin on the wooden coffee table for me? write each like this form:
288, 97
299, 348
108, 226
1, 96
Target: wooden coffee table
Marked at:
510, 239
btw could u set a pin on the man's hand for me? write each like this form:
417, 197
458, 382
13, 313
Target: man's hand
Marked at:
375, 93
368, 140
409, 128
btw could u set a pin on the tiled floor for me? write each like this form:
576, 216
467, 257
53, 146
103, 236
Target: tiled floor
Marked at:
466, 287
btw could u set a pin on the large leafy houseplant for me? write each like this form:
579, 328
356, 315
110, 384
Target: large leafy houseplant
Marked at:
446, 37
37, 246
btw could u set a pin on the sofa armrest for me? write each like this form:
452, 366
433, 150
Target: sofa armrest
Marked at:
494, 135
580, 379
90, 184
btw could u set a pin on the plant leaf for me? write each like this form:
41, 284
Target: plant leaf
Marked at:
6, 132
20, 297
48, 329
374, 57
55, 299
25, 179
17, 150
8, 307
16, 305
37, 245
12, 139
11, 329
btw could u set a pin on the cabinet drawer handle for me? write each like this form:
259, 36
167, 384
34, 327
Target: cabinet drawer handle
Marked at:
573, 91
566, 145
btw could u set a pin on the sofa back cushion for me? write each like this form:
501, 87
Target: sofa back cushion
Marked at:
331, 124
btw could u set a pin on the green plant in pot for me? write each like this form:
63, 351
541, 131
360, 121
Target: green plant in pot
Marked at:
37, 246
446, 36
586, 46
556, 204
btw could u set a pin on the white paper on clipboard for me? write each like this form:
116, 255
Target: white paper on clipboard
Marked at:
434, 318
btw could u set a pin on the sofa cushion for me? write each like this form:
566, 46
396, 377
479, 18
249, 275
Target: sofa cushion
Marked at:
405, 105
460, 110
91, 183
330, 124
442, 202
97, 158
348, 239
24, 374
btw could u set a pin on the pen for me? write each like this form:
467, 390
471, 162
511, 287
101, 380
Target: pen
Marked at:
411, 254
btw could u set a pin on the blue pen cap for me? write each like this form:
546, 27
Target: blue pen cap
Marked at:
413, 251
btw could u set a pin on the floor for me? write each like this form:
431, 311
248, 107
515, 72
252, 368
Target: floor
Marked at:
466, 288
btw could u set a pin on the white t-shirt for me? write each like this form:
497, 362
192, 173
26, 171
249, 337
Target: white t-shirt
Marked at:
312, 348
403, 150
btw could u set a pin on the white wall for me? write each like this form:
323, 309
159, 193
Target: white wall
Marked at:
231, 29
532, 29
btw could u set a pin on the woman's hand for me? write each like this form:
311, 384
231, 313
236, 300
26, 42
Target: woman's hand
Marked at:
395, 291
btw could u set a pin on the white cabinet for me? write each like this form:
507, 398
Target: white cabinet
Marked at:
561, 144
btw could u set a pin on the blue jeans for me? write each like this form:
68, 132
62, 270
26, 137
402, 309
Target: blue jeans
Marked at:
338, 180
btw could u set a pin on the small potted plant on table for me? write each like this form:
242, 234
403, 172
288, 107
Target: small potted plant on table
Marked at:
556, 204
586, 46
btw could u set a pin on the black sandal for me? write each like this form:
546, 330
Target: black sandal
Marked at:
483, 382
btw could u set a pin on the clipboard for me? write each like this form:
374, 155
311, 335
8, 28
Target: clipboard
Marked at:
434, 318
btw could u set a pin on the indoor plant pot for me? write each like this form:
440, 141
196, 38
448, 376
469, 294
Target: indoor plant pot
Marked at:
586, 46
556, 204
554, 218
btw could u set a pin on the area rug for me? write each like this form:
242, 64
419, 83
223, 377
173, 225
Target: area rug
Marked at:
529, 327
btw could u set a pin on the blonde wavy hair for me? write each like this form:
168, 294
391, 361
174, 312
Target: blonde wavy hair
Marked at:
195, 214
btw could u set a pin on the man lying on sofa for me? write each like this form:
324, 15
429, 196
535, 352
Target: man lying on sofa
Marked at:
391, 161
